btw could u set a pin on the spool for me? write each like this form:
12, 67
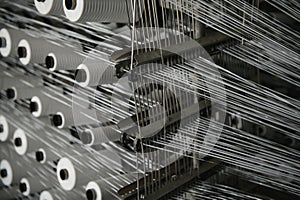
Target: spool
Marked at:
11, 172
15, 93
63, 59
23, 143
67, 175
31, 185
9, 41
49, 7
44, 154
76, 171
95, 73
94, 191
5, 129
101, 189
66, 118
34, 50
43, 105
100, 135
100, 11
24, 52
6, 172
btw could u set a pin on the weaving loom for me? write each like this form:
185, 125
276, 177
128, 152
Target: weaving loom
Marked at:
149, 99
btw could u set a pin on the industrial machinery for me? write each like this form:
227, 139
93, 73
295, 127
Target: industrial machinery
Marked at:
149, 99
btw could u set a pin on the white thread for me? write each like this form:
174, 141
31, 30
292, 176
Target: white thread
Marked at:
103, 134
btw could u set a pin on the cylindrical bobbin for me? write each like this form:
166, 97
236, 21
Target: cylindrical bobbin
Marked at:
101, 11
66, 118
5, 129
44, 154
100, 135
101, 189
34, 50
75, 171
6, 172
63, 59
43, 105
23, 143
49, 7
14, 93
31, 185
95, 73
68, 176
11, 172
9, 41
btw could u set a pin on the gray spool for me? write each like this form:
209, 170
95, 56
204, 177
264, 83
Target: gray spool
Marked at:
101, 11
49, 7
